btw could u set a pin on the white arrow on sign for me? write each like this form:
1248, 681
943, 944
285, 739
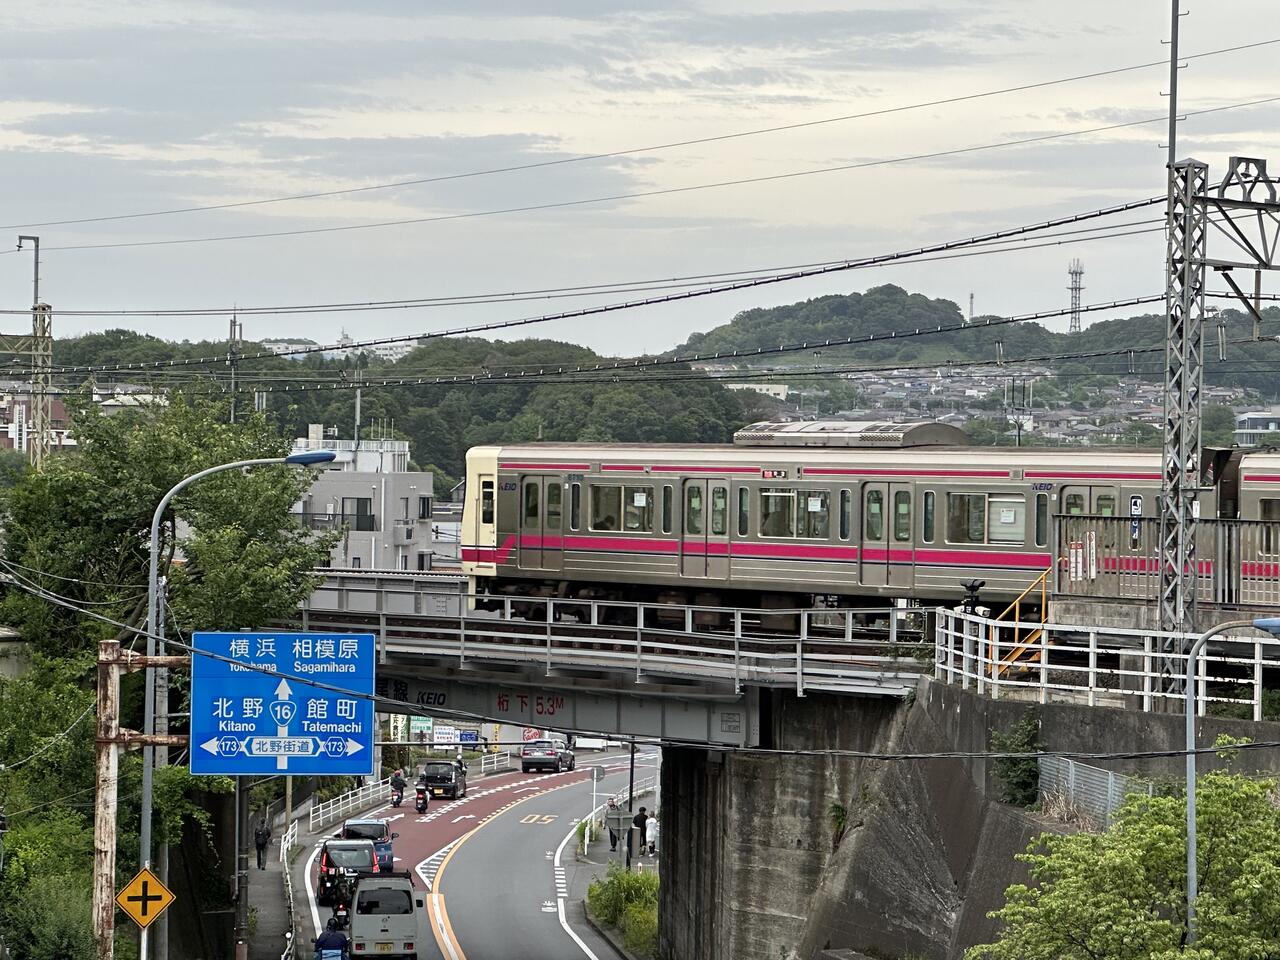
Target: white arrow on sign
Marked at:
283, 709
281, 747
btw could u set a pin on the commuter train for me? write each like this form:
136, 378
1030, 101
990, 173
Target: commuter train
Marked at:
796, 514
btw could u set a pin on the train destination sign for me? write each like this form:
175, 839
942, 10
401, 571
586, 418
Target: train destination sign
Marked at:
250, 722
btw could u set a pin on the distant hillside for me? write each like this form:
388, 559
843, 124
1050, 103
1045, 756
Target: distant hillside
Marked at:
889, 308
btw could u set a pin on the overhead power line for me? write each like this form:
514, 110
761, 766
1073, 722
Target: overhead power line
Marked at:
404, 706
644, 194
822, 270
652, 148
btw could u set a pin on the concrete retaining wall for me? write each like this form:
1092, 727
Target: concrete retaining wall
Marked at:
754, 873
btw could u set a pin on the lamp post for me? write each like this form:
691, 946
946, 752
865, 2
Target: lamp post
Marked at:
1272, 626
309, 458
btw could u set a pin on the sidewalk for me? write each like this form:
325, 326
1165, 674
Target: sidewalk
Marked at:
268, 906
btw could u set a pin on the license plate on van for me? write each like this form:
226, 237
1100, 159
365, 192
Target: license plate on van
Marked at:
438, 791
382, 947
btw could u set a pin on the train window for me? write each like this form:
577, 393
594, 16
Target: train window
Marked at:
531, 503
1006, 518
967, 517
667, 508
693, 508
874, 512
606, 508
555, 497
846, 514
486, 501
1042, 519
930, 505
575, 506
777, 512
744, 511
1073, 504
1106, 504
637, 511
814, 520
1270, 512
902, 516
719, 511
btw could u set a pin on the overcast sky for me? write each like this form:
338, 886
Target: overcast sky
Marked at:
114, 108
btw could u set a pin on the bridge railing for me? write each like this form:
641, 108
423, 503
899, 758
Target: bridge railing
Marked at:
1109, 666
1118, 558
824, 648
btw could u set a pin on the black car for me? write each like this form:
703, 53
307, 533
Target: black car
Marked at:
443, 779
343, 862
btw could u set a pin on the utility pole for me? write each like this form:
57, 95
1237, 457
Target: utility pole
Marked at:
41, 350
160, 948
112, 662
233, 359
970, 320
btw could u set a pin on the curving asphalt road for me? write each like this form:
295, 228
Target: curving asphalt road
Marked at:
498, 865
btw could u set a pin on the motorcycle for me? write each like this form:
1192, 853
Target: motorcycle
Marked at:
397, 796
420, 799
343, 893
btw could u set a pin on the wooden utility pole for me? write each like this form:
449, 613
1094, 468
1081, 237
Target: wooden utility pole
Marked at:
112, 662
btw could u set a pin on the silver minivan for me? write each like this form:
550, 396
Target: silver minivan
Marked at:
388, 919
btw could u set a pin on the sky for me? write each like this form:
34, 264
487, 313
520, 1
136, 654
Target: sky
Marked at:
110, 108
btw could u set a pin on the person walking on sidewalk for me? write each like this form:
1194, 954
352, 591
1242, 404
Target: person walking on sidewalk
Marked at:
610, 812
262, 840
640, 821
651, 833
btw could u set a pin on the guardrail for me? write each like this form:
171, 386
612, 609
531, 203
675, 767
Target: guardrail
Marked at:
850, 650
329, 811
491, 763
1101, 665
287, 843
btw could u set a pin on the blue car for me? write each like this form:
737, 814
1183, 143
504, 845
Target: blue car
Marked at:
378, 832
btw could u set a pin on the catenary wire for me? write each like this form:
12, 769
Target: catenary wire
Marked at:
555, 293
822, 270
57, 738
645, 194
653, 148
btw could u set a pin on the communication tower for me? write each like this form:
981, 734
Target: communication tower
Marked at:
1076, 271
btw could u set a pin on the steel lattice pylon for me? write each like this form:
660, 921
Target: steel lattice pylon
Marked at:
1184, 379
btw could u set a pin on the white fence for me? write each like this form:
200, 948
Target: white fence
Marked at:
352, 801
1093, 793
1095, 665
495, 762
840, 650
287, 843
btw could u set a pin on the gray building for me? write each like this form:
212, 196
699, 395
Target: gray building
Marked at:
1251, 427
384, 514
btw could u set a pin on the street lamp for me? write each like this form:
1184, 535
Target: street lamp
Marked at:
1270, 625
307, 458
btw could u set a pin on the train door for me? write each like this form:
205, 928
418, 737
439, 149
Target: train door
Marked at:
541, 523
704, 544
886, 554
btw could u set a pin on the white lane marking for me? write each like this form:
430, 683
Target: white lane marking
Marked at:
562, 893
311, 891
465, 816
396, 817
444, 937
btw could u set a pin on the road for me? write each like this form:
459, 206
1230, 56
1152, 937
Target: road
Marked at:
499, 866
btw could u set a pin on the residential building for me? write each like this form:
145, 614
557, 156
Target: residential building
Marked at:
1254, 424
365, 456
383, 510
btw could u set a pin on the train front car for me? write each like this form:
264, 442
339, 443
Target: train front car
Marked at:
847, 513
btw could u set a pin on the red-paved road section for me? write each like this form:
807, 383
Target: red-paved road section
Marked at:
425, 838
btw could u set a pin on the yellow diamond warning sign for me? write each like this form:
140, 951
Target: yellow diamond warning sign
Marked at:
144, 898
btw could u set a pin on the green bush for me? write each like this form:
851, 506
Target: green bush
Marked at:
640, 928
1019, 776
610, 897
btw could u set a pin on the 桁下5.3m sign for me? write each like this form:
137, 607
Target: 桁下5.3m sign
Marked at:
245, 721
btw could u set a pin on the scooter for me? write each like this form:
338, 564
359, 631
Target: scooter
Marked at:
397, 796
342, 895
420, 799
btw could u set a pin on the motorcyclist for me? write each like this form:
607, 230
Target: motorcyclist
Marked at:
397, 780
332, 944
461, 764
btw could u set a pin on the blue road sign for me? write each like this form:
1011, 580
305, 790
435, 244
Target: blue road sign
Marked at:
246, 722
468, 736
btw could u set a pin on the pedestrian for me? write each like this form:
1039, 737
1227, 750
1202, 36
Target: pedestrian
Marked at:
640, 821
610, 813
651, 832
262, 840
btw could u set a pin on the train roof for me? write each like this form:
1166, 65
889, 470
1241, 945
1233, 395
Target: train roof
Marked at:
849, 433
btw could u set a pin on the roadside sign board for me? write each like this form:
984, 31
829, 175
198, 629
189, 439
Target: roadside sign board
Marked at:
420, 729
247, 722
144, 898
445, 735
468, 736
